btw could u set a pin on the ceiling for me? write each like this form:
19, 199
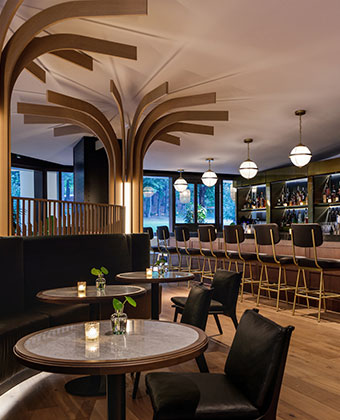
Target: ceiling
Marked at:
264, 59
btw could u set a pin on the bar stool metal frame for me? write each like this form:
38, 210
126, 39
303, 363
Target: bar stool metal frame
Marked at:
311, 238
273, 260
163, 234
182, 234
207, 233
154, 249
235, 234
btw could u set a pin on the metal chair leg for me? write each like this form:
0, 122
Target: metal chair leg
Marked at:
202, 364
135, 385
218, 324
278, 289
259, 291
296, 290
305, 285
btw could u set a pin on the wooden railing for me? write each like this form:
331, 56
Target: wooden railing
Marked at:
40, 217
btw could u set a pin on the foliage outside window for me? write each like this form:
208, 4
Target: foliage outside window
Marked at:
156, 201
205, 204
185, 206
229, 205
67, 186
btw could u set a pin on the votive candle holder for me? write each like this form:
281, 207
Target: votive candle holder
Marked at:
91, 331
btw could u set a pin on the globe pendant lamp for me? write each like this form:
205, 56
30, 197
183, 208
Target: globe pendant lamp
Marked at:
209, 178
180, 184
248, 169
300, 155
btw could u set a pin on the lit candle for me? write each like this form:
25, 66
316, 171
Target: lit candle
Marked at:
81, 285
149, 273
91, 330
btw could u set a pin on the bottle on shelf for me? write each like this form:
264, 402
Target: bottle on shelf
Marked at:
295, 197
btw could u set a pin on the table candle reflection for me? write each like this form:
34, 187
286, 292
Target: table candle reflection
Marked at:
92, 349
91, 330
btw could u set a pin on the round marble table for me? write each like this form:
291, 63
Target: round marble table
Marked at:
146, 345
94, 385
141, 277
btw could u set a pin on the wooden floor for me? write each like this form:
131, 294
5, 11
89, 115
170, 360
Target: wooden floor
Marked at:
311, 386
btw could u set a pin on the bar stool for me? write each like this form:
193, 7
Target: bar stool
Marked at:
153, 248
182, 234
163, 235
269, 235
234, 234
310, 236
207, 233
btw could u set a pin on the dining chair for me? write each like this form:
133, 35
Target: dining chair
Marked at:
226, 285
207, 234
195, 313
248, 389
234, 234
310, 236
269, 235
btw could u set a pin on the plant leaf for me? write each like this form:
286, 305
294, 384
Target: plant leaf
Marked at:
131, 301
94, 271
117, 305
104, 270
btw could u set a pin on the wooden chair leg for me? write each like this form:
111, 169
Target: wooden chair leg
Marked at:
135, 385
202, 364
218, 324
176, 314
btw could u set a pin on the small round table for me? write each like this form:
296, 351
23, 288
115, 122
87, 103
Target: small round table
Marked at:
146, 345
141, 277
89, 385
65, 295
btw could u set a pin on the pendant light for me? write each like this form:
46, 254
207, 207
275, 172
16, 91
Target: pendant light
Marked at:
300, 155
180, 184
184, 197
248, 169
148, 192
209, 178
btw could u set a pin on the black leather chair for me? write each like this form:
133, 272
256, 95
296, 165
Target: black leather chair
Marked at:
195, 313
226, 285
163, 239
153, 248
269, 235
310, 236
182, 234
234, 234
248, 389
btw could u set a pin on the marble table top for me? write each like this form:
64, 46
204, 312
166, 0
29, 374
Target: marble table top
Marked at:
140, 276
146, 344
70, 294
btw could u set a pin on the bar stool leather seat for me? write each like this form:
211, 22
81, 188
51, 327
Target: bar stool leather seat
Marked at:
248, 256
283, 259
191, 251
208, 253
181, 301
323, 263
170, 249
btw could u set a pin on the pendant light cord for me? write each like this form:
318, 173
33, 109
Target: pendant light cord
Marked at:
248, 144
300, 123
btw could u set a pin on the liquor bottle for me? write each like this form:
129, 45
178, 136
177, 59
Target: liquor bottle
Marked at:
333, 193
324, 192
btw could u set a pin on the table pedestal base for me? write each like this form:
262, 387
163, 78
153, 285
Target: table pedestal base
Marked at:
116, 405
87, 386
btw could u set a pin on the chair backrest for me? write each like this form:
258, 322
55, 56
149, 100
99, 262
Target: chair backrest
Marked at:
257, 358
197, 306
148, 230
230, 234
302, 235
182, 233
226, 285
204, 231
263, 236
163, 233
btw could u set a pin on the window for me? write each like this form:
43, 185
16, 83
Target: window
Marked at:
22, 182
229, 206
67, 186
185, 205
205, 204
156, 201
52, 185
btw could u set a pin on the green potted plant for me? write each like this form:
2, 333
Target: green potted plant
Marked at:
119, 318
100, 280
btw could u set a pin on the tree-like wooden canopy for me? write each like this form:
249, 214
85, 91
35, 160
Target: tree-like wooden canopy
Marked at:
126, 161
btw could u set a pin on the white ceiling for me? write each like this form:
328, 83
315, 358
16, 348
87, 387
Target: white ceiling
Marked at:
264, 58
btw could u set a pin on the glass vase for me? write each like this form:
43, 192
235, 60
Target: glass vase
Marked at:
118, 323
100, 284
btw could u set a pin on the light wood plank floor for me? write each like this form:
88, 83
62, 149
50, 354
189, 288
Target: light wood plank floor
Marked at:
311, 386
